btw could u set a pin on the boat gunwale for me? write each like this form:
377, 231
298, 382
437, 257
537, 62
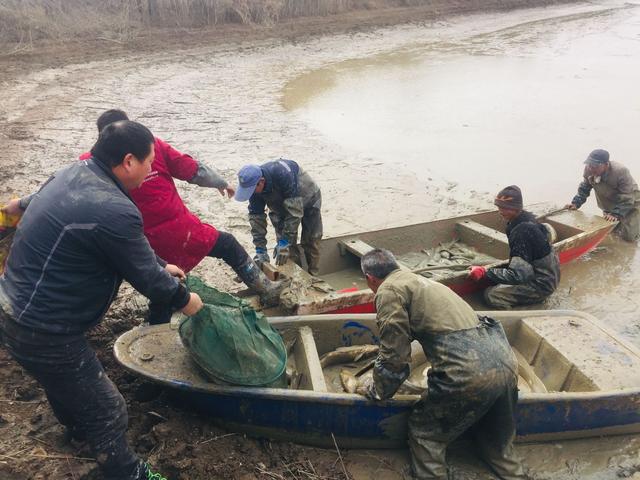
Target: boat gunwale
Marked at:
570, 242
121, 351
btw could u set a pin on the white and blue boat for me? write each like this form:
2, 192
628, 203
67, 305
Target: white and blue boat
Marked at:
578, 379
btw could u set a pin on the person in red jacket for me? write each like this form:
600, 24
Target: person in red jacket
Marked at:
175, 234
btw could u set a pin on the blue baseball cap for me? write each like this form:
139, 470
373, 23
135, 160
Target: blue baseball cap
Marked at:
248, 178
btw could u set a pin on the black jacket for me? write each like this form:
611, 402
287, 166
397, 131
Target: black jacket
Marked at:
532, 258
80, 237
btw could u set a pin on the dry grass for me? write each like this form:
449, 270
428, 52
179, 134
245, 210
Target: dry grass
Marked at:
24, 21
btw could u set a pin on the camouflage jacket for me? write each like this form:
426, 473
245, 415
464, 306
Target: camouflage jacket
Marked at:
288, 191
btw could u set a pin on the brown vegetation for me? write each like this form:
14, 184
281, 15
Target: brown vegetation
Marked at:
22, 22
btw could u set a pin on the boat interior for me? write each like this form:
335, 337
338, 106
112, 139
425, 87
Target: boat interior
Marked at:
442, 249
556, 352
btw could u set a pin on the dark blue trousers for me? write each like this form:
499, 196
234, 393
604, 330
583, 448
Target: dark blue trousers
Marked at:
82, 396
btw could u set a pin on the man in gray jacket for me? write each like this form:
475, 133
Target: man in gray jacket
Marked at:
80, 237
616, 193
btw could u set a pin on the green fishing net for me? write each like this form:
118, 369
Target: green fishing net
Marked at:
232, 342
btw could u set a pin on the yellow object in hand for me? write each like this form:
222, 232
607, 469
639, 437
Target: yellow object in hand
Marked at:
8, 221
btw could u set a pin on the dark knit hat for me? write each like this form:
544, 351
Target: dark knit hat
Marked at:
509, 197
598, 157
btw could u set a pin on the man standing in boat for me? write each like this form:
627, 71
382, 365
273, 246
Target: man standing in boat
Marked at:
616, 193
533, 272
293, 199
80, 237
472, 382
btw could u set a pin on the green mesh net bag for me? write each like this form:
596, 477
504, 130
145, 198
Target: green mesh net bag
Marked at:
232, 342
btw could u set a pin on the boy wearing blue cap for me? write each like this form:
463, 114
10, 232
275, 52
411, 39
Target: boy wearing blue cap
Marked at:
616, 193
293, 198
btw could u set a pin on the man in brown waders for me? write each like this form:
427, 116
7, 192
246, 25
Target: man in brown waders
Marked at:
616, 193
472, 382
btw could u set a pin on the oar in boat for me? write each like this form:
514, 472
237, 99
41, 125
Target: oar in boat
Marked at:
453, 266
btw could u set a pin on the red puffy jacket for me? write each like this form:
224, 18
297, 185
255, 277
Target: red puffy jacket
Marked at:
175, 234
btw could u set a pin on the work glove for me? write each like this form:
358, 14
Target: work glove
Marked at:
261, 256
282, 252
477, 273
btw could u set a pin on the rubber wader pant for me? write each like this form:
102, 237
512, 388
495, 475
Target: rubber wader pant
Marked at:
545, 282
80, 393
472, 385
310, 237
226, 248
629, 227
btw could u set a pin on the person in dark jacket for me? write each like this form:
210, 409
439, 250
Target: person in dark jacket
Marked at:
79, 239
616, 192
175, 234
533, 272
472, 382
293, 198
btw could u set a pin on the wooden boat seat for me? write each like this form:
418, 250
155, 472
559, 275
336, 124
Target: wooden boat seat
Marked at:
485, 239
577, 369
355, 246
307, 361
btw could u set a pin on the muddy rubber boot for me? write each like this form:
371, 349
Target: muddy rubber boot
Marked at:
255, 279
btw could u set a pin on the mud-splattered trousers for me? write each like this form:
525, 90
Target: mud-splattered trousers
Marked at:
293, 199
472, 383
543, 274
533, 272
617, 194
80, 393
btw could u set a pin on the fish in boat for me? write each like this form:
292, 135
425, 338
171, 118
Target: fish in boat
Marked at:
441, 250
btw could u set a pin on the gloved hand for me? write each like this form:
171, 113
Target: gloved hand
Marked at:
282, 252
261, 256
477, 273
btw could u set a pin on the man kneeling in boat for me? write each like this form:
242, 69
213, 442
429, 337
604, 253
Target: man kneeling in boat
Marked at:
533, 272
472, 383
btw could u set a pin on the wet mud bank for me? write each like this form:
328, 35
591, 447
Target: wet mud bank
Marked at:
219, 96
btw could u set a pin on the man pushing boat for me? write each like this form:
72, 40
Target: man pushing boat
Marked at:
533, 272
616, 193
472, 383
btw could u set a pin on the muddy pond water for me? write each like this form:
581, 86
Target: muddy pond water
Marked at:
522, 104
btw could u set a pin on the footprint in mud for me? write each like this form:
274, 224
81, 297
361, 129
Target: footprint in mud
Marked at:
19, 133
